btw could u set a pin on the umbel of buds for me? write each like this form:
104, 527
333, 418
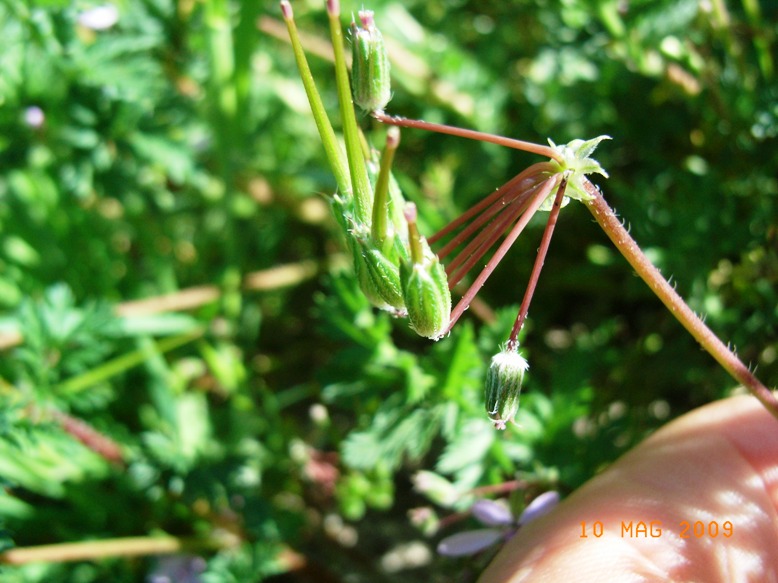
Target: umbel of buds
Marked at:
503, 385
371, 84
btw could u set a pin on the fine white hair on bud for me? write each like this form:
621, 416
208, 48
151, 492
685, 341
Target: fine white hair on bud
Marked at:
503, 386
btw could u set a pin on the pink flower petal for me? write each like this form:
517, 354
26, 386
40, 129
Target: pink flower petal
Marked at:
469, 542
491, 513
541, 505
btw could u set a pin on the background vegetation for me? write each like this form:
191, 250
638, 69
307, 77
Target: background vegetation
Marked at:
185, 352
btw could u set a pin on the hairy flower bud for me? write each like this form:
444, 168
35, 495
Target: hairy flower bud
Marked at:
503, 386
371, 84
427, 298
378, 271
424, 285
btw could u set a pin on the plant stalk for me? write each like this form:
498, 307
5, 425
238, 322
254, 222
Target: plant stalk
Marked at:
468, 257
360, 182
488, 207
381, 199
606, 218
538, 266
332, 149
546, 151
543, 191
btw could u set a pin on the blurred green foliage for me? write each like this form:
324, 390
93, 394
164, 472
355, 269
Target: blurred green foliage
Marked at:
176, 149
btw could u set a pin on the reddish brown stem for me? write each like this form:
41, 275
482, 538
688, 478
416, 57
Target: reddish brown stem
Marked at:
535, 170
484, 241
503, 488
99, 443
509, 197
616, 232
546, 151
540, 196
538, 266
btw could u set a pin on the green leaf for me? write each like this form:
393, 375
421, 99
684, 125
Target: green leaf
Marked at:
469, 448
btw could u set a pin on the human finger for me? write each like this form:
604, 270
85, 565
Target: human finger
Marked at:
696, 501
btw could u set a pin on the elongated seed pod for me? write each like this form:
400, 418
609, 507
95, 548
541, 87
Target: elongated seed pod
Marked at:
503, 386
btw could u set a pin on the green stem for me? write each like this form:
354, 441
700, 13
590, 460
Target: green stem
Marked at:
356, 161
761, 38
224, 107
332, 148
381, 200
616, 232
414, 237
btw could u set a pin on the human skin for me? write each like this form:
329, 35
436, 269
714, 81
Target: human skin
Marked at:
715, 465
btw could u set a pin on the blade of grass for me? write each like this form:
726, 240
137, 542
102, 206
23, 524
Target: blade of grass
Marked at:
124, 362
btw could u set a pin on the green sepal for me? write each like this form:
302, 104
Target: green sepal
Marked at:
577, 164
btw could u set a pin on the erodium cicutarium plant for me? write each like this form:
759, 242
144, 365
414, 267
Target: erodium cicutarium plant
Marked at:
401, 271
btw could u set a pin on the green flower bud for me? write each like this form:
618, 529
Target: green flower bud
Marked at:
503, 386
378, 271
424, 285
370, 80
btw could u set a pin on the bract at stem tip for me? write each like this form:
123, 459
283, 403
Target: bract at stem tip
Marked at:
392, 137
410, 212
366, 17
414, 238
333, 7
286, 10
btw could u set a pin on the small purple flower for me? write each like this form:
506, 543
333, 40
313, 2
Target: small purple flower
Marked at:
498, 516
540, 506
99, 17
491, 513
469, 542
34, 117
178, 569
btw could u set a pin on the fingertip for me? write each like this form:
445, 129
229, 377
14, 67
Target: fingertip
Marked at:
715, 468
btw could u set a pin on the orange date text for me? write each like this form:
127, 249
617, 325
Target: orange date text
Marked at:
684, 529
